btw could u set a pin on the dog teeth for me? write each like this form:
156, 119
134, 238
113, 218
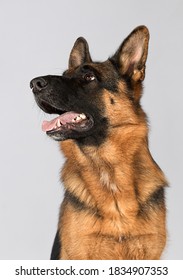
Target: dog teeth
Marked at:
58, 123
79, 118
82, 116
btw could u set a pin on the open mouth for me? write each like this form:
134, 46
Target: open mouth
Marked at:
68, 120
68, 124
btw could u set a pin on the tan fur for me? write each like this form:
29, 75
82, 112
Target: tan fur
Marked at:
103, 178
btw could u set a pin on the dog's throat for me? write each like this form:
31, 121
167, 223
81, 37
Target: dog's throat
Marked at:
63, 120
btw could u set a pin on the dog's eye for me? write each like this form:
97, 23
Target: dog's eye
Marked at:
89, 77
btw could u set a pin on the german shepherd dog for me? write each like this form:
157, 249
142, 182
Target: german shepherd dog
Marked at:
114, 206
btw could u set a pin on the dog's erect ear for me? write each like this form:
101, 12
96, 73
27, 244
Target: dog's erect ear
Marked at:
132, 54
79, 53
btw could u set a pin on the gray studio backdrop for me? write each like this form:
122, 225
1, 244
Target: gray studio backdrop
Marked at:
35, 39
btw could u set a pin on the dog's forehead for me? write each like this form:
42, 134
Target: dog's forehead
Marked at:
105, 68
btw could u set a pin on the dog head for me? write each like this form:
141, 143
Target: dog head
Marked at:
91, 98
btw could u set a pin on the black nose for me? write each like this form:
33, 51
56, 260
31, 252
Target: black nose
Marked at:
38, 84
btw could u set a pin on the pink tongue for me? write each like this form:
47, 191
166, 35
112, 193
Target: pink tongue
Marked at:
64, 118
